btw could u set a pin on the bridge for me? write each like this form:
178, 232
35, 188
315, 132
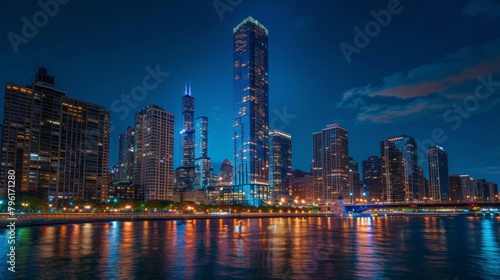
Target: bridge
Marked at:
359, 208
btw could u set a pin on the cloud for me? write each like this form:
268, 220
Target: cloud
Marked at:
427, 89
303, 21
491, 8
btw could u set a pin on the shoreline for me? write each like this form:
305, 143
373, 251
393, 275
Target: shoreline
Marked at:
58, 219
78, 218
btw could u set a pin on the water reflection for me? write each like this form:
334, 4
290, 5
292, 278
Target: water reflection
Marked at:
269, 248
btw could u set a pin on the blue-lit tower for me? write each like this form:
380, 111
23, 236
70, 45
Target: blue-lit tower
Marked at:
250, 113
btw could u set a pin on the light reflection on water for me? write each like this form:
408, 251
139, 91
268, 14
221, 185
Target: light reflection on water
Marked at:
271, 248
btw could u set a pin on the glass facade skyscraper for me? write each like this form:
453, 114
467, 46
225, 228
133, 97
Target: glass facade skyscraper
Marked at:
187, 132
372, 178
57, 145
185, 173
202, 162
331, 164
439, 186
399, 169
250, 112
126, 154
280, 165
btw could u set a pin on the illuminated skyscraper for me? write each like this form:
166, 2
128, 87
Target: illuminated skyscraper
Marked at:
439, 186
372, 178
280, 164
250, 112
399, 169
331, 164
185, 173
187, 132
154, 149
126, 154
57, 145
202, 164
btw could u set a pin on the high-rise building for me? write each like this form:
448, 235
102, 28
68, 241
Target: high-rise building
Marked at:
372, 178
399, 169
202, 164
226, 172
330, 164
439, 187
356, 191
126, 154
250, 112
187, 132
280, 165
154, 148
57, 145
185, 174
423, 186
455, 188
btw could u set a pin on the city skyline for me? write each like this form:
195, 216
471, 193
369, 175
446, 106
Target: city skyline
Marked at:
483, 158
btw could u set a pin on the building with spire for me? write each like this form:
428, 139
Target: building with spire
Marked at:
185, 173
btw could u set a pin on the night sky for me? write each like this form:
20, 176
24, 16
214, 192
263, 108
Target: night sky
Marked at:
412, 77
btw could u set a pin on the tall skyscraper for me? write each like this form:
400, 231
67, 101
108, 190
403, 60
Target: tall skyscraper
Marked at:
439, 187
331, 164
455, 188
280, 165
126, 154
57, 145
187, 132
202, 164
372, 178
250, 112
154, 148
185, 173
399, 169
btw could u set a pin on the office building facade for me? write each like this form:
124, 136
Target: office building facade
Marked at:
154, 148
58, 146
280, 165
250, 112
399, 165
439, 187
331, 164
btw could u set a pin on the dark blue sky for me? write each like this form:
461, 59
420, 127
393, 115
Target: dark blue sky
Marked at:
408, 79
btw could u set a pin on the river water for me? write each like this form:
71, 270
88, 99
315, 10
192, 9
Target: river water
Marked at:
463, 247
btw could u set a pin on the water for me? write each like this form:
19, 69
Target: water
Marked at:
270, 248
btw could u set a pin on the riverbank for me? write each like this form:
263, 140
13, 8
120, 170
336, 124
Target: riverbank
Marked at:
73, 218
